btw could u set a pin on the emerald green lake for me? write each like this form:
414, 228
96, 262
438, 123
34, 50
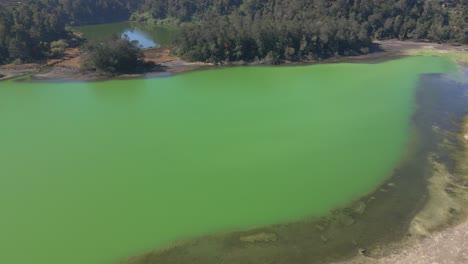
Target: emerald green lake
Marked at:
146, 34
93, 172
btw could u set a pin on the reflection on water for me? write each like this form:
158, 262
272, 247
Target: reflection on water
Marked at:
142, 37
147, 35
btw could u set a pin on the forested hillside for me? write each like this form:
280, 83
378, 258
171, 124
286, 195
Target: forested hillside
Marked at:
249, 30
9, 3
298, 29
98, 11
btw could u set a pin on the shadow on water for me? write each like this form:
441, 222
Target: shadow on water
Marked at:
364, 226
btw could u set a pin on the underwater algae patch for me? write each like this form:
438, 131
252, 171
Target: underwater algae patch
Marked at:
448, 184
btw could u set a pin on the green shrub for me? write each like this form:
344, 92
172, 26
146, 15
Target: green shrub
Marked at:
57, 48
17, 62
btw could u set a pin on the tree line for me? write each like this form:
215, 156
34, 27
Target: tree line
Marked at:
245, 38
435, 20
233, 30
275, 30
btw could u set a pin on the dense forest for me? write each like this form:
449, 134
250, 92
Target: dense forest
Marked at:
82, 12
234, 30
300, 29
27, 31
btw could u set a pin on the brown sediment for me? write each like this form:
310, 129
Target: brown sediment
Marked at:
9, 71
159, 55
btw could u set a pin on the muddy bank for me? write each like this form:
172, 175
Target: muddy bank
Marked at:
426, 193
67, 68
69, 60
11, 71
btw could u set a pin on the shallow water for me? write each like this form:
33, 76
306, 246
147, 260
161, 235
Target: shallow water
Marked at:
94, 172
147, 35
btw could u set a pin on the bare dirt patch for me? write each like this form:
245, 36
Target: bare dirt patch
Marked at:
159, 55
448, 247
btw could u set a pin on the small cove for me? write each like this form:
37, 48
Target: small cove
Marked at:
114, 168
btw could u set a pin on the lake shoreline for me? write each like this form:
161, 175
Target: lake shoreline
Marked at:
67, 68
403, 220
437, 237
362, 226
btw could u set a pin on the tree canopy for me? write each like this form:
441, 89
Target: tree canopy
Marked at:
27, 30
298, 29
113, 55
98, 11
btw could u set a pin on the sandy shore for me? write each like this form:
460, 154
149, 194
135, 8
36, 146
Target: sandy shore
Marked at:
447, 247
67, 68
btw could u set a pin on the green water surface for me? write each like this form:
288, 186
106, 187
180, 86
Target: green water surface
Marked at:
93, 172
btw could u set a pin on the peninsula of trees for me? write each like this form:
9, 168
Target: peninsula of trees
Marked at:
239, 30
